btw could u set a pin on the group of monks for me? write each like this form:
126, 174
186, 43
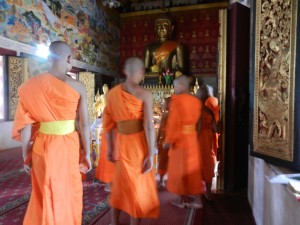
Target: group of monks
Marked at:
51, 103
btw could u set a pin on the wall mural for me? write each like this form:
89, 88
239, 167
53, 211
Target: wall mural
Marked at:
274, 78
91, 30
200, 37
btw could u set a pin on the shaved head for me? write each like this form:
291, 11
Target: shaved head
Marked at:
133, 65
181, 84
59, 49
60, 58
182, 80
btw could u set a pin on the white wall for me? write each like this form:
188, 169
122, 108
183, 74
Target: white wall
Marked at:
6, 141
272, 204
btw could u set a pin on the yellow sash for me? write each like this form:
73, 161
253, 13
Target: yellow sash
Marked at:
60, 127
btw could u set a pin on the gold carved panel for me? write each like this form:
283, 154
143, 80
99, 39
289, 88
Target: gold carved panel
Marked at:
88, 79
275, 48
16, 71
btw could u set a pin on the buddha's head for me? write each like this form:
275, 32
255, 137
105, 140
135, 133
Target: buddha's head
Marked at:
163, 27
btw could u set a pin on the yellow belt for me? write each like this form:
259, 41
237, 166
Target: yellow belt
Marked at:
60, 127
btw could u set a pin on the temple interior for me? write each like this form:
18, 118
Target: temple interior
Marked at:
245, 50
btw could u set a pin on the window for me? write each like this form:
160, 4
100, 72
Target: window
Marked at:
1, 89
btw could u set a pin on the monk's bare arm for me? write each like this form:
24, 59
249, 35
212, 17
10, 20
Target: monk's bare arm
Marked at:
110, 146
148, 122
25, 140
84, 125
149, 130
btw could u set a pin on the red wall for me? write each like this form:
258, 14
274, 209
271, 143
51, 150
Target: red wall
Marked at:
197, 29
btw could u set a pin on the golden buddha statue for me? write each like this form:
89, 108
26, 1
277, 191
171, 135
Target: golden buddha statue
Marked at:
164, 54
196, 86
97, 106
100, 102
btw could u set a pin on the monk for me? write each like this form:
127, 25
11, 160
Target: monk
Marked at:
46, 114
129, 109
184, 169
162, 153
213, 104
208, 130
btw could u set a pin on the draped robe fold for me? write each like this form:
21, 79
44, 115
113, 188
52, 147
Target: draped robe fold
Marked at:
105, 169
213, 104
162, 153
206, 147
184, 166
56, 196
132, 191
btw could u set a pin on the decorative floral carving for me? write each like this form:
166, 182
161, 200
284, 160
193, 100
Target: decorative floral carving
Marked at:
16, 78
88, 79
274, 79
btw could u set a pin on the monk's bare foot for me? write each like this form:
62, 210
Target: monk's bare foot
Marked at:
194, 205
179, 204
107, 188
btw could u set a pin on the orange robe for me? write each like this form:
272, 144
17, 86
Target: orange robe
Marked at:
132, 191
162, 153
105, 169
56, 196
213, 104
206, 146
184, 169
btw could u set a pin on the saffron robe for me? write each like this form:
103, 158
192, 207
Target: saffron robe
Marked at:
105, 169
162, 153
132, 191
56, 196
184, 168
213, 104
206, 146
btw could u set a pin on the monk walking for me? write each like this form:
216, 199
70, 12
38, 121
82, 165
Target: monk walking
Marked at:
129, 109
162, 153
46, 115
213, 104
184, 169
206, 139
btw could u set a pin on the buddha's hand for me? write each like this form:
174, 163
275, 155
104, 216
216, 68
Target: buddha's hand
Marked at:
148, 164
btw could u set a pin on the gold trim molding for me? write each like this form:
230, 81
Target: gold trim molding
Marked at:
222, 88
275, 52
177, 9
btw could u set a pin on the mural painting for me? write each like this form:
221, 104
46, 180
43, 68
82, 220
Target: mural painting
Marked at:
85, 25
